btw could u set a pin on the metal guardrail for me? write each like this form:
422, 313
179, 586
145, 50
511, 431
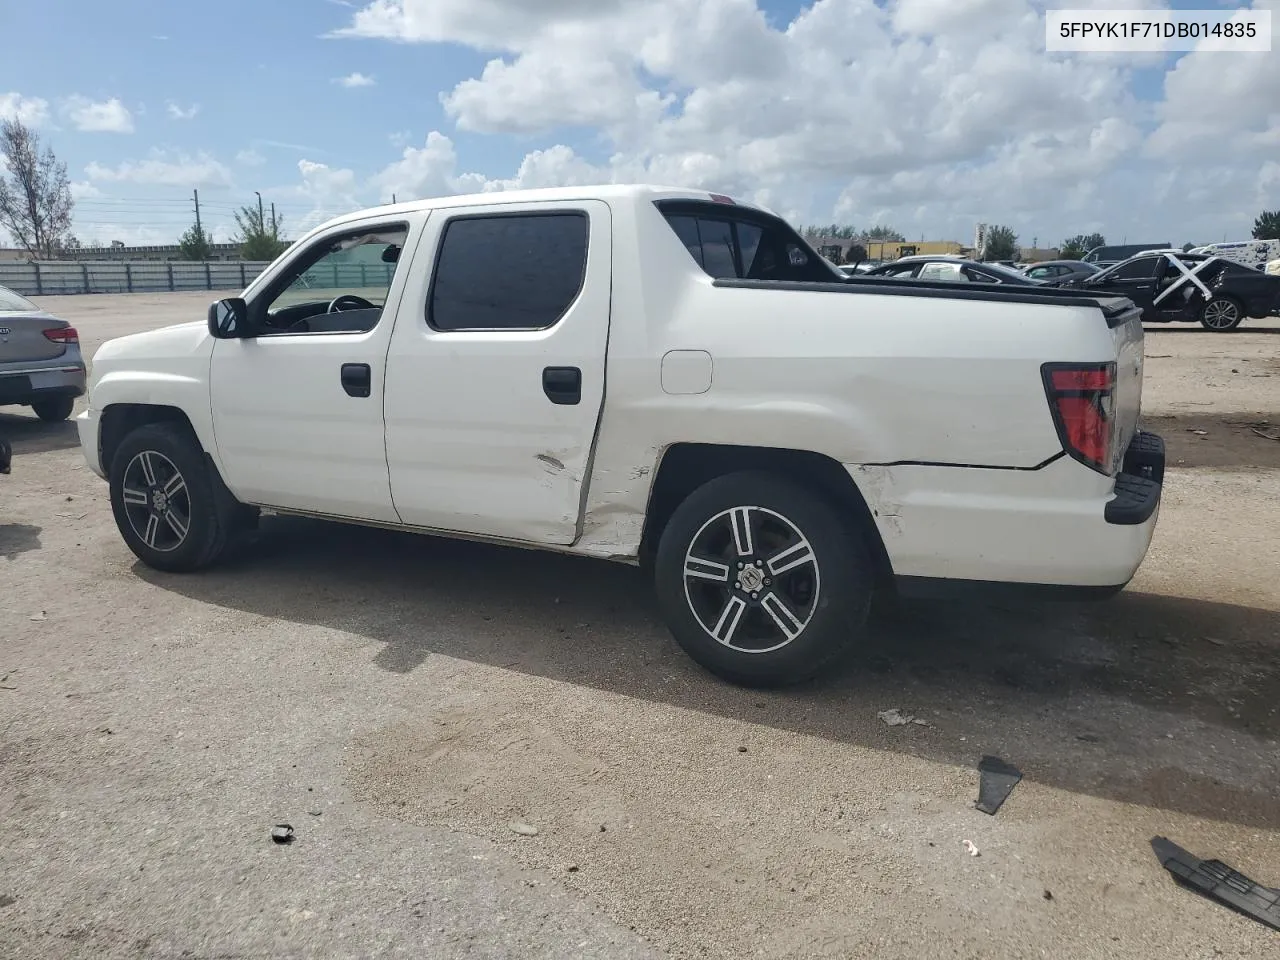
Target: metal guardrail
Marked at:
42, 278
39, 278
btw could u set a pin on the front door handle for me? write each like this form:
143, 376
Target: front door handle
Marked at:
357, 379
562, 385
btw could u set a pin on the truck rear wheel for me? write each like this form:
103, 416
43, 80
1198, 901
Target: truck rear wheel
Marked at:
761, 580
165, 503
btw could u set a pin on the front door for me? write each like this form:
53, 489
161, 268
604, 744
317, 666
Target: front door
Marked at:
495, 377
1135, 279
297, 405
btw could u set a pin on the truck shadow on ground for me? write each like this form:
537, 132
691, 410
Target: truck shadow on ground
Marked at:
32, 435
1082, 697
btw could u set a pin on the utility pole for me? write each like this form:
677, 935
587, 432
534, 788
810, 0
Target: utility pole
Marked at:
393, 198
196, 195
273, 222
262, 223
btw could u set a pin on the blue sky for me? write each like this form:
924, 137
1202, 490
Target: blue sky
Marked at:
927, 116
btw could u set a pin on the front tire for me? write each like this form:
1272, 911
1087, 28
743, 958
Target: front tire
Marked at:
54, 409
1221, 314
761, 580
164, 500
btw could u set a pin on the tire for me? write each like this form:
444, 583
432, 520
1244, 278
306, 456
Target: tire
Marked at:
803, 614
1221, 314
159, 508
54, 409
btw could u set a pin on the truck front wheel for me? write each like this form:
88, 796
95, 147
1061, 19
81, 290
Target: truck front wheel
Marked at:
761, 580
164, 501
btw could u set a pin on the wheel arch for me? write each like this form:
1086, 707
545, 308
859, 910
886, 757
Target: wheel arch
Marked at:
684, 467
118, 420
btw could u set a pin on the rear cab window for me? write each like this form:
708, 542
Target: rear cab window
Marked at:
508, 271
730, 242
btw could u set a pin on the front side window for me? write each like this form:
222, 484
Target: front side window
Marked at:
508, 272
1143, 268
340, 285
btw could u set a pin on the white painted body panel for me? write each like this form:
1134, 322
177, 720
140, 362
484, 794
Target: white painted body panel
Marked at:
935, 406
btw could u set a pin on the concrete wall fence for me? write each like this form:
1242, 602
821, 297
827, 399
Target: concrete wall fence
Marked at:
42, 278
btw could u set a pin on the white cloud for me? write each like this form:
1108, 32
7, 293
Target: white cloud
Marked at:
250, 158
84, 190
353, 80
90, 116
164, 168
31, 111
914, 111
426, 171
178, 112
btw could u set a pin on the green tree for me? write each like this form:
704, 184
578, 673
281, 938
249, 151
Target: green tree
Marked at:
834, 230
1002, 244
1076, 247
855, 254
35, 197
195, 244
1267, 226
259, 238
882, 232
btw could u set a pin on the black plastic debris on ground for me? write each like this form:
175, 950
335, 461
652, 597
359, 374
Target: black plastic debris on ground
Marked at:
1215, 880
282, 833
998, 781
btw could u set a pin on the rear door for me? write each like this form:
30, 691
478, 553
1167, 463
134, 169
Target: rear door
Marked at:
495, 376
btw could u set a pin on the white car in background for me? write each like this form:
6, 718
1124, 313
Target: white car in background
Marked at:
1250, 253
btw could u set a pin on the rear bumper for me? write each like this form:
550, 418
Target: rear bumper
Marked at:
23, 384
1061, 529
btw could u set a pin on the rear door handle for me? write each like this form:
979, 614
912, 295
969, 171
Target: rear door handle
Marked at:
357, 379
562, 385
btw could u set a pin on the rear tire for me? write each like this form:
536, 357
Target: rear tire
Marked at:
761, 580
165, 503
1221, 314
54, 409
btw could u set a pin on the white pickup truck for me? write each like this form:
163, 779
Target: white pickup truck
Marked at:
655, 376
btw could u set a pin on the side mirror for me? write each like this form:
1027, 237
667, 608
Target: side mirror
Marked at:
228, 319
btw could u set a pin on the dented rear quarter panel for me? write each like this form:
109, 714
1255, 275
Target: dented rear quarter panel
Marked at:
865, 379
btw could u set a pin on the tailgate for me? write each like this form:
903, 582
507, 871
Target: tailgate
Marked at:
1127, 339
22, 338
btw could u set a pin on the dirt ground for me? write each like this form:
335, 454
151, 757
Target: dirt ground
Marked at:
402, 701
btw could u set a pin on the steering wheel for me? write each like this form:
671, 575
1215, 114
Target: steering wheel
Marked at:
357, 303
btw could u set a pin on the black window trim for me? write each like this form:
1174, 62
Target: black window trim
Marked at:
275, 287
505, 214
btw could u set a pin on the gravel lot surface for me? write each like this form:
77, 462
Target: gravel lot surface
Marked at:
404, 701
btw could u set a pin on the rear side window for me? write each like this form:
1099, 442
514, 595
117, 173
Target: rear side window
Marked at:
728, 247
508, 272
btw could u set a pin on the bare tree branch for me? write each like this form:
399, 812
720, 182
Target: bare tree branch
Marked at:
35, 195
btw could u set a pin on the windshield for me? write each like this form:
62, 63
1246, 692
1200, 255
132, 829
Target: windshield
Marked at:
10, 301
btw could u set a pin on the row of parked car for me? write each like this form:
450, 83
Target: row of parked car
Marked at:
1169, 285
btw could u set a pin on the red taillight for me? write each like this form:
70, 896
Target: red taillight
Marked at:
1081, 399
62, 335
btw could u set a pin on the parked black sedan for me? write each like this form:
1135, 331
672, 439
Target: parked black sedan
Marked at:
1175, 287
955, 269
